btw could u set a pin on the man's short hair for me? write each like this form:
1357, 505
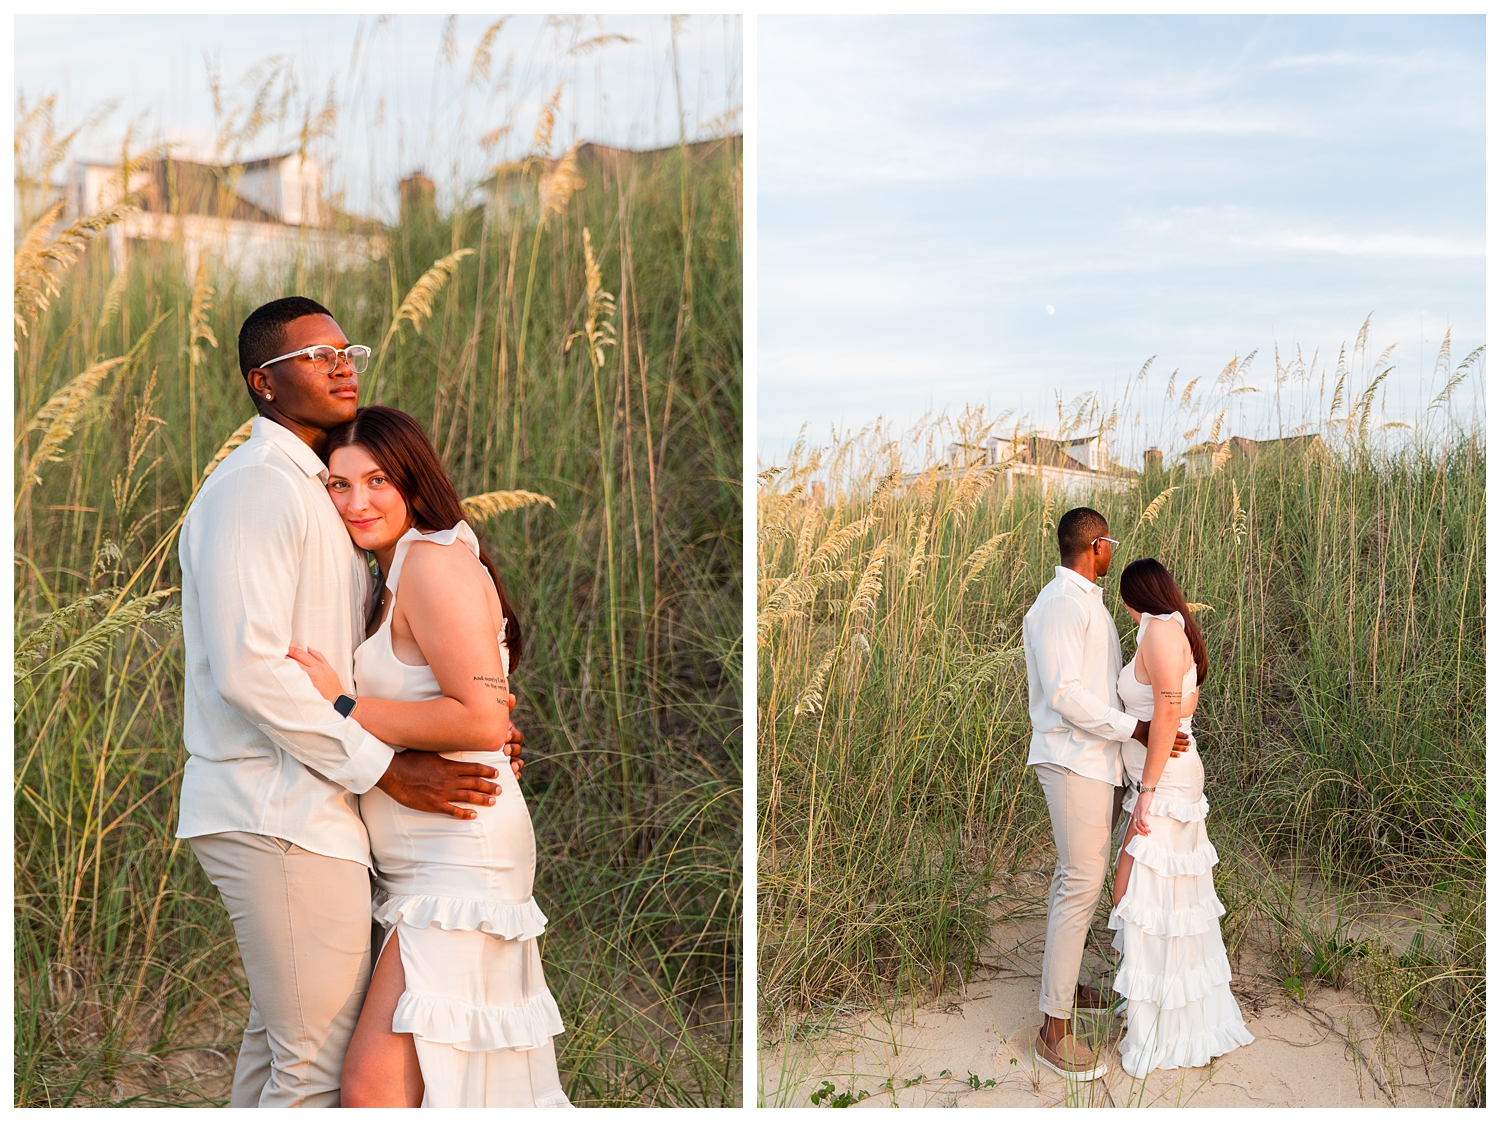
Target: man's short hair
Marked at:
262, 334
1077, 530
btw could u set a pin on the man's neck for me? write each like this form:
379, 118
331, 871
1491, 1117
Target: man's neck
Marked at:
314, 438
1083, 565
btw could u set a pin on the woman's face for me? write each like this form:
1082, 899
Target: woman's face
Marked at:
372, 508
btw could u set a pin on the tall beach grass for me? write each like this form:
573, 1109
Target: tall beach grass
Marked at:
1342, 727
587, 349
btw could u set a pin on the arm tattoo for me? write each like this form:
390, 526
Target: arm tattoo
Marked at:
492, 683
1172, 695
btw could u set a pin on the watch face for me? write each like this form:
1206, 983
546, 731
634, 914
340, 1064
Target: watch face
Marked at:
344, 705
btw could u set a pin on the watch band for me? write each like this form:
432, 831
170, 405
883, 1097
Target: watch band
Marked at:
344, 704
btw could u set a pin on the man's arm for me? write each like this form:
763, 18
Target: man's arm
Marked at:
246, 550
1061, 627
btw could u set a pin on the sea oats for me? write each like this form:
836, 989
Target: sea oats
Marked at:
1221, 457
1236, 514
810, 702
236, 438
869, 586
558, 184
833, 546
478, 508
973, 675
812, 520
918, 550
976, 561
58, 418
417, 307
1148, 516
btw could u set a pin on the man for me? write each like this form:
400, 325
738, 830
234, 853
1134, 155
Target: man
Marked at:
1072, 670
269, 793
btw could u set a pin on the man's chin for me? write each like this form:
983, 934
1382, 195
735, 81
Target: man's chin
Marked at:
343, 412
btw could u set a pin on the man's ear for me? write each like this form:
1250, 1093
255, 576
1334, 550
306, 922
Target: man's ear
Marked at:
259, 381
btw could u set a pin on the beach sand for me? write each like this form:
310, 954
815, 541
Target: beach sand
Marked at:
973, 1048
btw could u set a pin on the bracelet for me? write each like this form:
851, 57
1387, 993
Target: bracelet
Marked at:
1145, 790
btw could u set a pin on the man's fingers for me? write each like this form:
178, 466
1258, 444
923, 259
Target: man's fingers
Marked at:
474, 783
475, 798
464, 769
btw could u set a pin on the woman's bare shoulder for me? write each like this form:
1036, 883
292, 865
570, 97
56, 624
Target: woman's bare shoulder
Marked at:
1163, 637
431, 567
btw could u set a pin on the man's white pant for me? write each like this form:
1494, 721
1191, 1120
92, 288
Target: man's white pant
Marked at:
1083, 813
302, 921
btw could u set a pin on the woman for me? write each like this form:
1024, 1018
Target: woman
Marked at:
457, 1013
1173, 972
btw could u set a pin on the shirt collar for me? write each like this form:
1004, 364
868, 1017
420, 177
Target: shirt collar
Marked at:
290, 443
1078, 579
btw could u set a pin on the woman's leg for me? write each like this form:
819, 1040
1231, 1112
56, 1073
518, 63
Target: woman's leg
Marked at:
380, 1068
1122, 867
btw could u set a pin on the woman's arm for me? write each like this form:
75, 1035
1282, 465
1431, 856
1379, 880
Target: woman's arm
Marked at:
444, 599
439, 725
1161, 652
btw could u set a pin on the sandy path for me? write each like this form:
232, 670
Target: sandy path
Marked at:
974, 1049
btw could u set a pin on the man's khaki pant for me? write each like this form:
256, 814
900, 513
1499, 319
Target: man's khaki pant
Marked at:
1083, 813
302, 921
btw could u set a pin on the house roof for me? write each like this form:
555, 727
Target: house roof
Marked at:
591, 154
1045, 451
1244, 446
185, 187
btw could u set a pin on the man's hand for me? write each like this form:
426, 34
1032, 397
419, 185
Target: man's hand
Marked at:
1143, 730
514, 742
429, 782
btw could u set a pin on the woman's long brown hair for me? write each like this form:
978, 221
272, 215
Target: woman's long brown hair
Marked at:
1146, 586
397, 443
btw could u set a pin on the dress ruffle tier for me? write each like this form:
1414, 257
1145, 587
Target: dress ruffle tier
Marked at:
1174, 971
476, 1001
459, 913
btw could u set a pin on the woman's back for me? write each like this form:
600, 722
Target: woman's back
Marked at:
1135, 687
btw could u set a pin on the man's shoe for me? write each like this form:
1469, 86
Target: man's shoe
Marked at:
1090, 1000
1069, 1058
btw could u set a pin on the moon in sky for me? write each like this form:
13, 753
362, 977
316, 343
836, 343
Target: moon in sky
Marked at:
1051, 310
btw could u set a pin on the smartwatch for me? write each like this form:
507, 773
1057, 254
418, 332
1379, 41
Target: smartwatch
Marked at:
344, 704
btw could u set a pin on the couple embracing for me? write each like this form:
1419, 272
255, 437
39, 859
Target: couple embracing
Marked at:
338, 724
1108, 739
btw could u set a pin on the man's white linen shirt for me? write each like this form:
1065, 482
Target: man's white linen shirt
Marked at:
1072, 678
268, 565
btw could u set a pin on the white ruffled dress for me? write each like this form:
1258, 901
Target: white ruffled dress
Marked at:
1174, 972
459, 893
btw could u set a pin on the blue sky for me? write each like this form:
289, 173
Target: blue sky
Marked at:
997, 210
403, 106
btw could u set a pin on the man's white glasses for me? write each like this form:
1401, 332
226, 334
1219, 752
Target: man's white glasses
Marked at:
325, 359
1102, 538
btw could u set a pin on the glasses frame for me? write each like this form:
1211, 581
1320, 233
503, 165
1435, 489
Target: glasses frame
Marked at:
1102, 538
338, 353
